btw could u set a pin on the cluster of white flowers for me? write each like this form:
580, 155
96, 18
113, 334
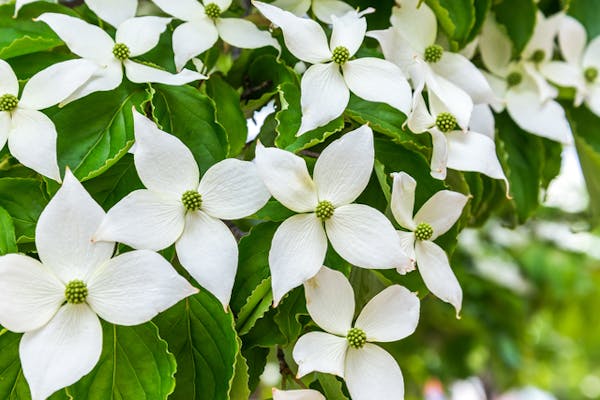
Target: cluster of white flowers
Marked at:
56, 301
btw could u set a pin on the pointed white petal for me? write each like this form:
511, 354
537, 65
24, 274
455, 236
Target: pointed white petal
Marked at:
532, 75
373, 364
244, 34
297, 253
296, 7
378, 80
348, 31
106, 77
417, 24
61, 352
571, 40
5, 126
185, 10
420, 119
286, 176
303, 37
435, 270
113, 11
162, 161
141, 34
482, 121
343, 169
208, 251
32, 141
495, 47
232, 189
454, 100
55, 83
564, 74
64, 231
324, 9
223, 4
403, 199
391, 315
364, 237
85, 40
301, 394
320, 351
193, 38
29, 293
143, 219
8, 80
140, 73
330, 301
395, 48
407, 243
134, 287
592, 100
591, 57
499, 87
543, 36
441, 211
439, 155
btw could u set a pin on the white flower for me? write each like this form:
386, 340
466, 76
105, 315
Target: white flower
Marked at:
134, 37
435, 218
344, 349
326, 85
31, 135
204, 25
112, 11
303, 394
323, 9
57, 301
180, 208
582, 65
362, 235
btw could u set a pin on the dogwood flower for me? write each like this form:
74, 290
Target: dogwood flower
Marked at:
179, 207
580, 70
112, 11
362, 235
302, 394
323, 9
31, 135
344, 349
134, 37
433, 219
326, 85
204, 25
57, 301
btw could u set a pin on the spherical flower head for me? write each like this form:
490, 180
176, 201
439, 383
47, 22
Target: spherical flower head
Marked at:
538, 56
8, 102
514, 78
424, 231
121, 51
192, 200
76, 292
340, 55
434, 53
445, 122
324, 210
590, 74
212, 11
356, 338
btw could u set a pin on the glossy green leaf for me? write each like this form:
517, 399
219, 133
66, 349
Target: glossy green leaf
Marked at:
8, 241
332, 387
482, 7
256, 305
114, 184
240, 382
456, 17
518, 17
587, 12
24, 199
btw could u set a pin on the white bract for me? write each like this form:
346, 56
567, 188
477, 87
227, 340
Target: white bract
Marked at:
204, 25
344, 349
581, 66
179, 207
134, 37
112, 11
302, 394
31, 135
323, 9
57, 301
326, 85
433, 219
362, 235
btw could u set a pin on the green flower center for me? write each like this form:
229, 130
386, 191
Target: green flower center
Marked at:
590, 75
434, 53
356, 338
445, 122
76, 292
538, 56
324, 210
121, 51
340, 55
192, 200
424, 231
212, 11
8, 102
514, 78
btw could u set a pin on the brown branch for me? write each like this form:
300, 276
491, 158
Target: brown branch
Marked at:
285, 371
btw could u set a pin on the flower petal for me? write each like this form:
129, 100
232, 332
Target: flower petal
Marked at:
441, 211
495, 47
320, 351
64, 231
330, 301
113, 11
232, 189
141, 34
591, 57
435, 270
403, 199
324, 96
61, 352
593, 99
373, 364
297, 253
162, 161
185, 10
32, 141
543, 36
391, 315
407, 242
296, 7
571, 40
417, 22
348, 31
85, 40
374, 79
143, 219
452, 98
439, 155
343, 169
193, 38
301, 394
107, 77
286, 176
420, 120
208, 251
325, 9
244, 34
482, 121
364, 237
564, 74
9, 84
5, 126
303, 37
134, 287
223, 4
140, 73
29, 293
395, 48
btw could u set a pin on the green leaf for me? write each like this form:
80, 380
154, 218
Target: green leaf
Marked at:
332, 387
482, 7
256, 359
518, 17
256, 305
456, 17
239, 388
289, 311
587, 12
273, 211
135, 364
114, 184
8, 241
24, 199
202, 338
